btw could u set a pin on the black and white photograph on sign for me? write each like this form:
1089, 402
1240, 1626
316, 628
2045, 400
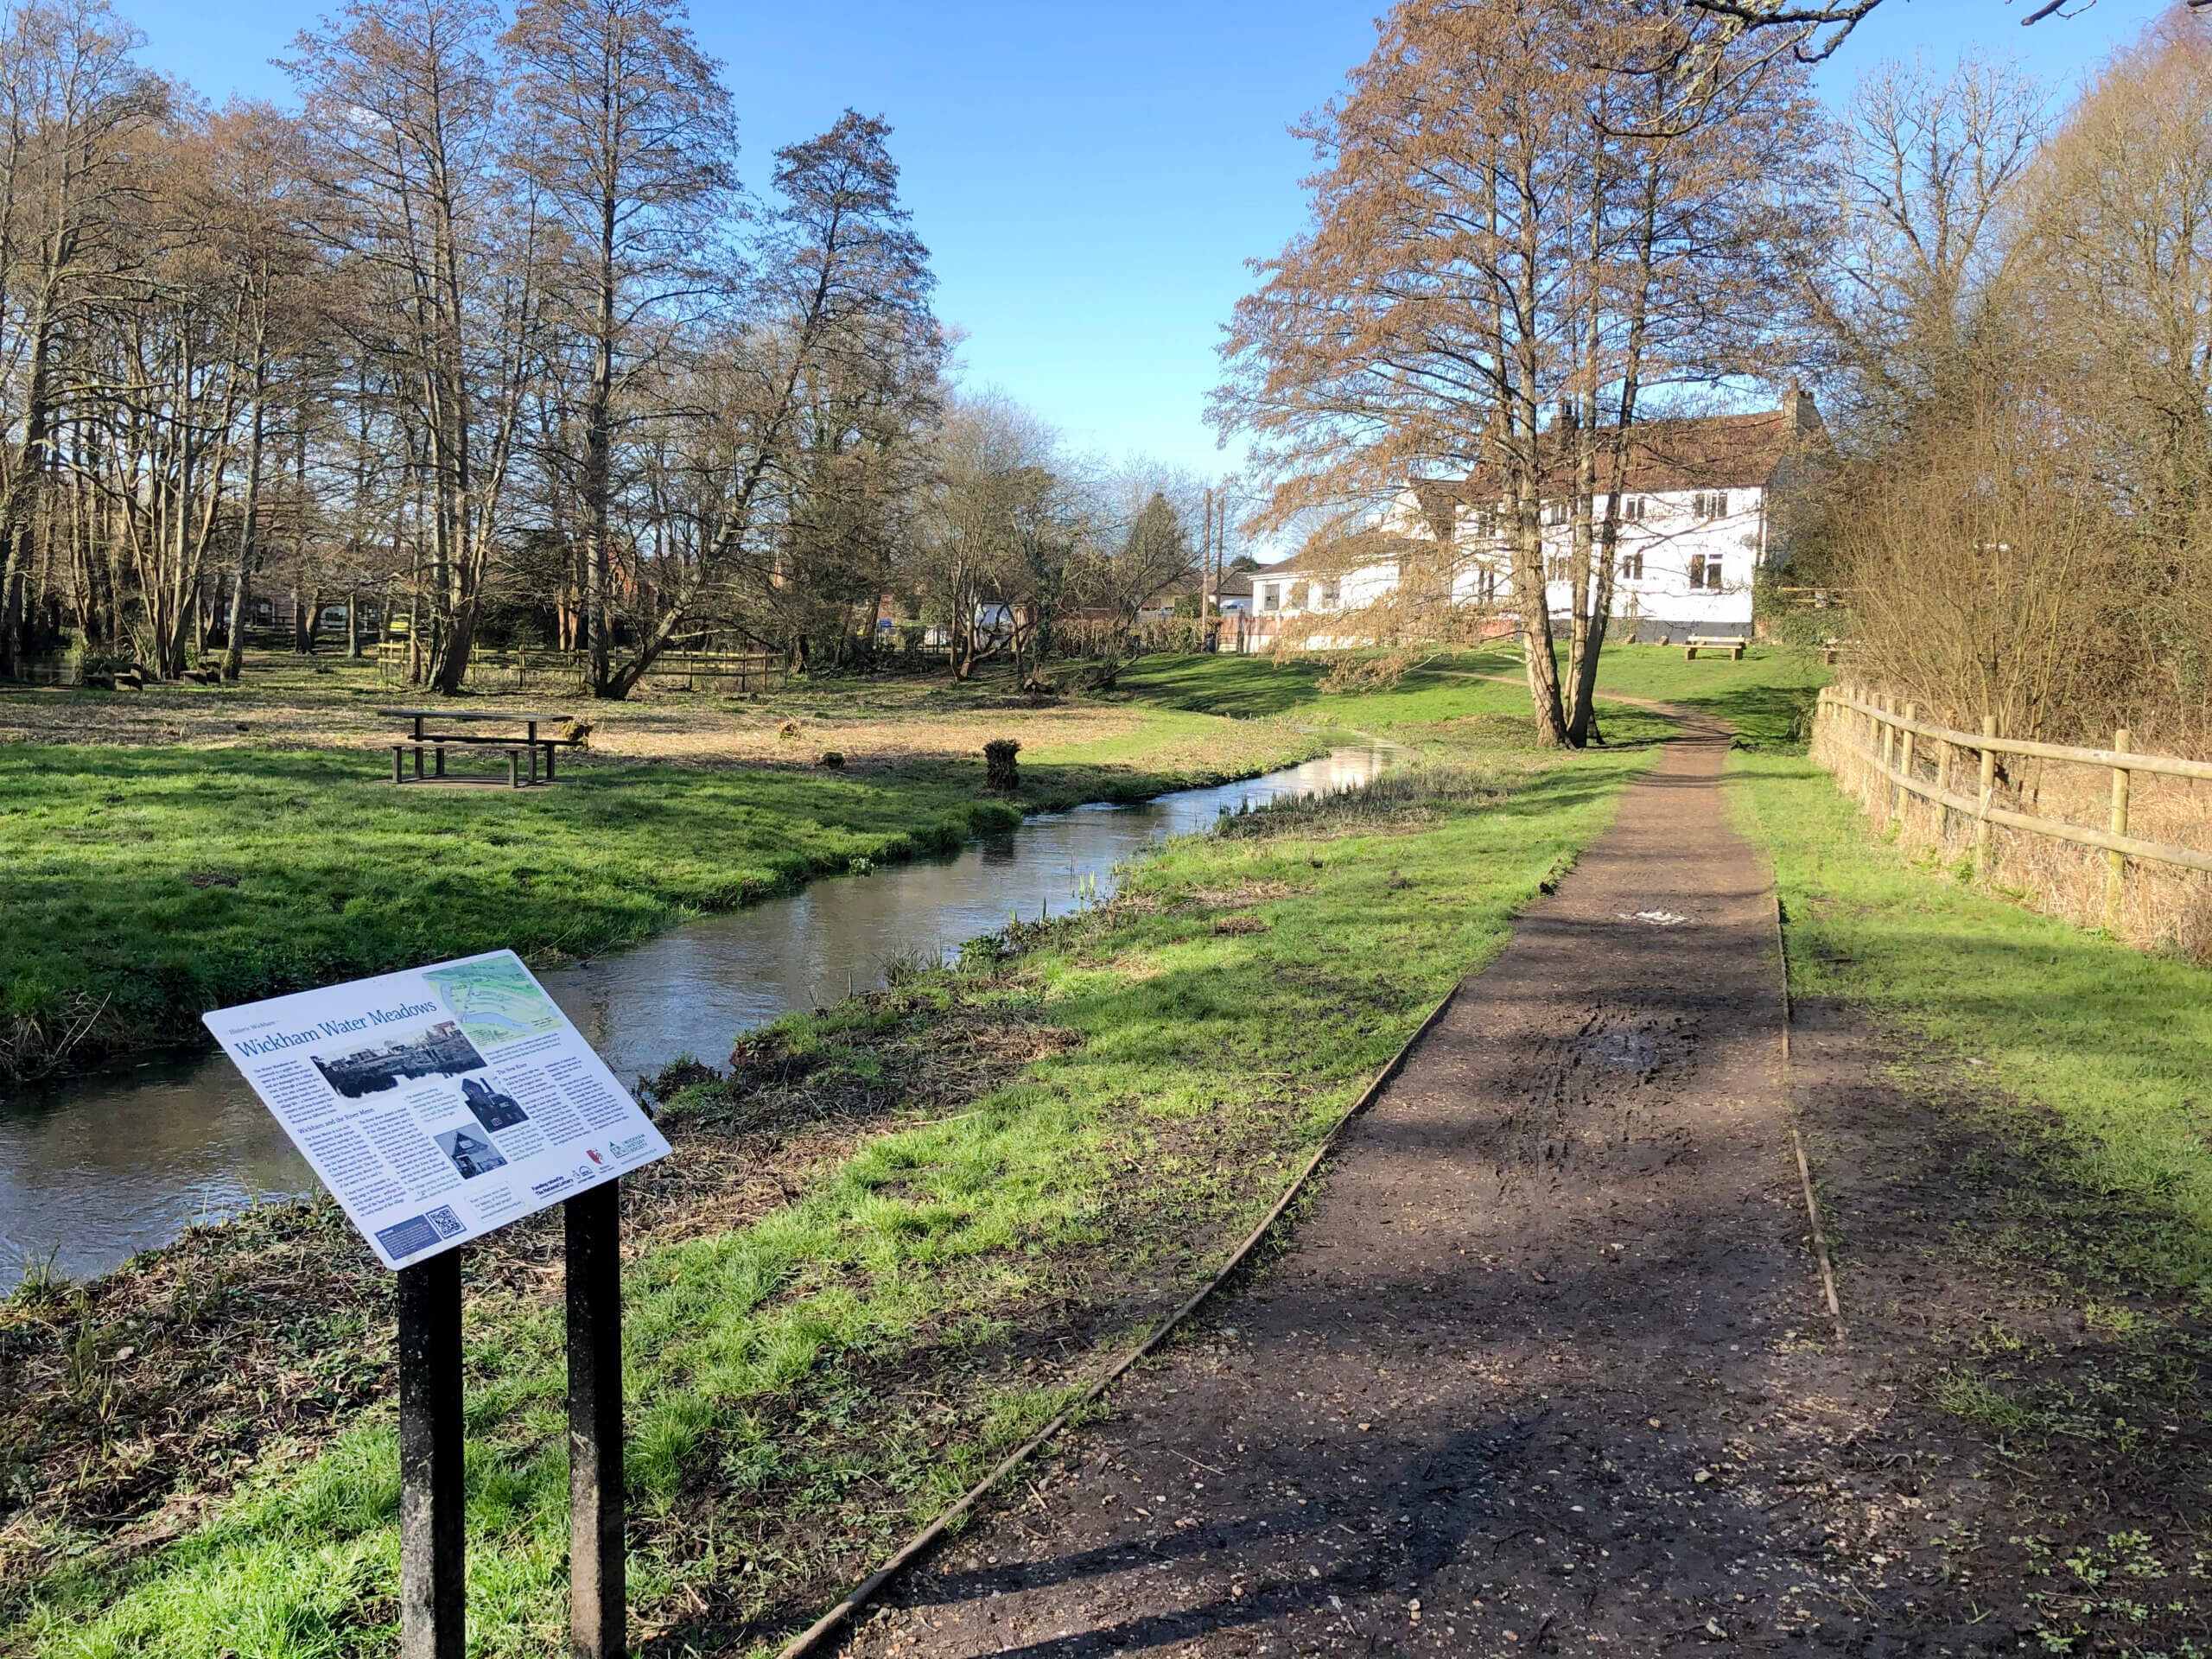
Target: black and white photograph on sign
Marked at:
472, 1154
493, 1109
441, 1050
383, 1084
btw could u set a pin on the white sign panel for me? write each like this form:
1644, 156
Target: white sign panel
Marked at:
439, 1104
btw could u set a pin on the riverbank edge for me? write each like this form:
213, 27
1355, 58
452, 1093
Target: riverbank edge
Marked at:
1178, 909
107, 1043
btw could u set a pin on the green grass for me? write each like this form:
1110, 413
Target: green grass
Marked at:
2116, 1042
1768, 696
802, 1388
1438, 707
148, 884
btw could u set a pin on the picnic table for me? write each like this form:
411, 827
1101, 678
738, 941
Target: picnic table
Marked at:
518, 747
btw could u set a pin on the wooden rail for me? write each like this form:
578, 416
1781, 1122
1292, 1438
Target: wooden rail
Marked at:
1889, 753
750, 669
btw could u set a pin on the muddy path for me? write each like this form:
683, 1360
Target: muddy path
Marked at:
1485, 1389
1547, 1367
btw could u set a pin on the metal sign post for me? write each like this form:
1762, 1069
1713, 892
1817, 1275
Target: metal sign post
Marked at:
433, 1543
597, 1594
433, 1596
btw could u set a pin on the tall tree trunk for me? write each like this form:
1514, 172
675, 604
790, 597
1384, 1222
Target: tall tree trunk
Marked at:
249, 525
599, 443
30, 466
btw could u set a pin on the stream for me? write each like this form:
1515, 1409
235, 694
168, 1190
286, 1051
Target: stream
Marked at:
97, 1168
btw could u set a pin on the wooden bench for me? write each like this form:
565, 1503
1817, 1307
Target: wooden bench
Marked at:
1733, 644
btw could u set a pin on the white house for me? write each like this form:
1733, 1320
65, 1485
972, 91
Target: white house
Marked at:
1698, 512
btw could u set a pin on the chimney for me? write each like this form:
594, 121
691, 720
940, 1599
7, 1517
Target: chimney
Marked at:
1799, 412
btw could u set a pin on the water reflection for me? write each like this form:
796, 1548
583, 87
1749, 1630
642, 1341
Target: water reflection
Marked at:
117, 1162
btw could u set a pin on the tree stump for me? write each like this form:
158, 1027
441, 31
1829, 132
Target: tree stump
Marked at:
999, 770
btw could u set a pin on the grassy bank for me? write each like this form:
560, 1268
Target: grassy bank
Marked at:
2115, 1043
1767, 697
148, 883
894, 1238
203, 861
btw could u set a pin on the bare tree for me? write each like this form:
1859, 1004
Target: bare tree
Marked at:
73, 109
409, 118
1154, 552
627, 132
1810, 30
1913, 289
1001, 522
1510, 253
841, 266
248, 204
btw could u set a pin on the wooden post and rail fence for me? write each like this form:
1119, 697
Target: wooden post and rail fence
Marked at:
1887, 747
724, 671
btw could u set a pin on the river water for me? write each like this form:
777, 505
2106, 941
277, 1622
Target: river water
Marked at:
96, 1168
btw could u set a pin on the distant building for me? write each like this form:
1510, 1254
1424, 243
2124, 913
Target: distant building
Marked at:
1698, 515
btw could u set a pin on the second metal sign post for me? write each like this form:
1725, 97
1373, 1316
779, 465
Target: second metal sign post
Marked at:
432, 1499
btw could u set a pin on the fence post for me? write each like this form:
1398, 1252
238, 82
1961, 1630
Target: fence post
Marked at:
1943, 787
1988, 794
1869, 731
2116, 863
1904, 764
1887, 791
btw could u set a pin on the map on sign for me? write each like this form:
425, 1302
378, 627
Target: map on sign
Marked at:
496, 1000
440, 1104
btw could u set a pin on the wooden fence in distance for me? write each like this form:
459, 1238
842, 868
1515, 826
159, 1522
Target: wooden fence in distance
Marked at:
1889, 758
565, 671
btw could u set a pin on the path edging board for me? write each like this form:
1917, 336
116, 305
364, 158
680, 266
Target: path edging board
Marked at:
810, 1640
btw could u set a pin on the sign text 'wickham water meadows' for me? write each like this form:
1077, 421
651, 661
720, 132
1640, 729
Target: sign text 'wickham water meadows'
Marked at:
440, 1103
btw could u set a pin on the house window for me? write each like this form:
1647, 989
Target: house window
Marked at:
1485, 520
1709, 504
1557, 568
1488, 587
1325, 596
1554, 512
1631, 509
1705, 571
1270, 596
1631, 565
1297, 595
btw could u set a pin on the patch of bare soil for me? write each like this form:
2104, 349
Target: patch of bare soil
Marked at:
131, 1406
1547, 1368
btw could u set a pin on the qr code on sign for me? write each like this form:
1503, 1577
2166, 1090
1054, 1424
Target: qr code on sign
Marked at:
444, 1220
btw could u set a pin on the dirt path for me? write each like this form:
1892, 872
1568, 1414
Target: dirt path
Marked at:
1513, 1386
1547, 1368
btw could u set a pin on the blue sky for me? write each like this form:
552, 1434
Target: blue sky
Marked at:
1090, 178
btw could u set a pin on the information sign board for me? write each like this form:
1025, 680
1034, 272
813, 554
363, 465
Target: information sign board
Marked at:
441, 1103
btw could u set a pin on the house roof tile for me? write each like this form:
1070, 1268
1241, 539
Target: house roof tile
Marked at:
1713, 452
